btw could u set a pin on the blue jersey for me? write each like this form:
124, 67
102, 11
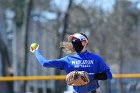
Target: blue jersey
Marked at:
84, 61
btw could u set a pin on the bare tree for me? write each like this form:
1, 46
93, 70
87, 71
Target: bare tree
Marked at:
25, 32
62, 36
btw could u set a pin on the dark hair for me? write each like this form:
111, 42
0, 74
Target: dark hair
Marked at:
84, 35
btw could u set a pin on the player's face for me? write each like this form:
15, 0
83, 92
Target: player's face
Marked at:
84, 43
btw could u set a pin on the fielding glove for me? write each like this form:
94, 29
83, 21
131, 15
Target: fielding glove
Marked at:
77, 78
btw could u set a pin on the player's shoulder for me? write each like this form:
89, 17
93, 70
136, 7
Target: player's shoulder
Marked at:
64, 58
68, 57
95, 55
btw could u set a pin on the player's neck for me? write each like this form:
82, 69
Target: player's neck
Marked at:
84, 49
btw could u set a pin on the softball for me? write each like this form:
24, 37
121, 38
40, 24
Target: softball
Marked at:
34, 46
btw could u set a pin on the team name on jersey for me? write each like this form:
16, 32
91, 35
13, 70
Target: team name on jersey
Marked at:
82, 63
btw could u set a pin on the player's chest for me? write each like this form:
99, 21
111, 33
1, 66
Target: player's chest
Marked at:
83, 64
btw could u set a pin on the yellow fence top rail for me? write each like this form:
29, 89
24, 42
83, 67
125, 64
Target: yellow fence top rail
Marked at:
59, 77
31, 78
126, 76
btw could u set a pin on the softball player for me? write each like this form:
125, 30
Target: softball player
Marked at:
82, 60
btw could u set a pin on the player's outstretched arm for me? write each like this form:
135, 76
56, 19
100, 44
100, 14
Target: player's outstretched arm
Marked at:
58, 63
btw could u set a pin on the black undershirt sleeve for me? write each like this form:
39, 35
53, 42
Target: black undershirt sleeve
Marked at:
100, 76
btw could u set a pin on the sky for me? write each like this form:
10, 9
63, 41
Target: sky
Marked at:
103, 3
106, 5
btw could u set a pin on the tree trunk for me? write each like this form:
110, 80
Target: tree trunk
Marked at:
5, 63
120, 86
103, 53
65, 27
25, 30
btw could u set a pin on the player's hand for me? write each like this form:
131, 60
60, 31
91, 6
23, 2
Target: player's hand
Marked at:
33, 47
